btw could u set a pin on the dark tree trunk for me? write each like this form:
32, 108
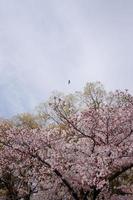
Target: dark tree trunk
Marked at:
95, 193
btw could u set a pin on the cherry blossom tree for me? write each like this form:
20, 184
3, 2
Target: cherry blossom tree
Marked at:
17, 171
100, 143
80, 161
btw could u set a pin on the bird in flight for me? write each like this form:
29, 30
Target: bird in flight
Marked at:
69, 82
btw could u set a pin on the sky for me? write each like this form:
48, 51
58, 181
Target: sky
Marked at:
44, 43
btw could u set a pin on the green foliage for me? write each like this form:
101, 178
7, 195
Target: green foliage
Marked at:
26, 119
94, 94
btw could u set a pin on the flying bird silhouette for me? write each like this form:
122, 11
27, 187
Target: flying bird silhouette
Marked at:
69, 82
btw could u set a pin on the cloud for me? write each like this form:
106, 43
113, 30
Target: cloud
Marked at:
43, 44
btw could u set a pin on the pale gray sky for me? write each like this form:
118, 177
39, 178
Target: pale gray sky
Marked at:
43, 43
